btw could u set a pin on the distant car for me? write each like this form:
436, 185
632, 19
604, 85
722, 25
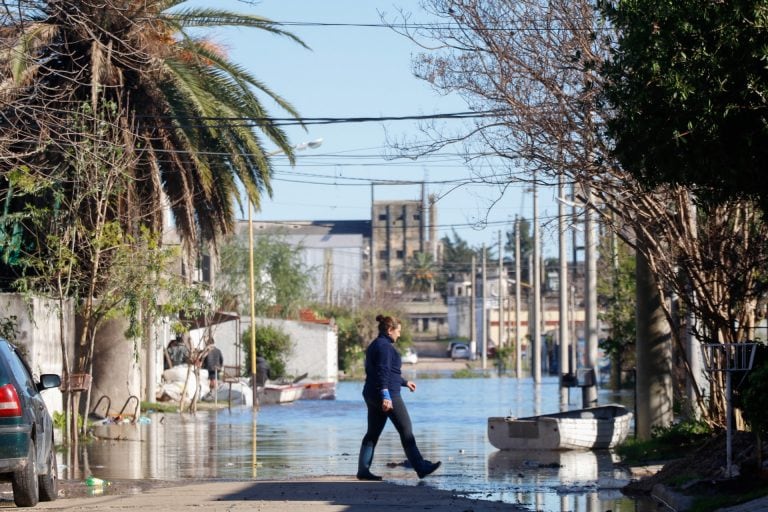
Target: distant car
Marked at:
460, 351
451, 345
410, 356
27, 456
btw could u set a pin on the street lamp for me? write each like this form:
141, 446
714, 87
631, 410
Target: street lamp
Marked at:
252, 288
312, 144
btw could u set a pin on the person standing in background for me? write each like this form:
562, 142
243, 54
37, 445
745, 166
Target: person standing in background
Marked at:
213, 362
176, 353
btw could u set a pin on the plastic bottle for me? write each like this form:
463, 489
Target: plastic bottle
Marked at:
95, 491
92, 481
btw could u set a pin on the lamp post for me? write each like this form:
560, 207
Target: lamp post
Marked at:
252, 287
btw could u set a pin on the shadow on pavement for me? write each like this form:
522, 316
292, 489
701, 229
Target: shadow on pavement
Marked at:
361, 496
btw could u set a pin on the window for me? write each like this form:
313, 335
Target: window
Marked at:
22, 373
416, 216
383, 216
399, 255
383, 276
383, 254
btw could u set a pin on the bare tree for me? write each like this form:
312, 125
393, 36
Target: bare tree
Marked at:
532, 71
82, 250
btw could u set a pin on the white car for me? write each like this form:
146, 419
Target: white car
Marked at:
460, 351
410, 356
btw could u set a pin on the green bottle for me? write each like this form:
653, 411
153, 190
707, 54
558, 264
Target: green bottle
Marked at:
92, 481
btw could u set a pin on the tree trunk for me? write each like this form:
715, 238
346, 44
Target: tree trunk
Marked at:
654, 356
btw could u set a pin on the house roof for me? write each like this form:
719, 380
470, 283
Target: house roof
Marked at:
312, 227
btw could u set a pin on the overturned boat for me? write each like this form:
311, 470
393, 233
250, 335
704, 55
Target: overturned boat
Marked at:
598, 427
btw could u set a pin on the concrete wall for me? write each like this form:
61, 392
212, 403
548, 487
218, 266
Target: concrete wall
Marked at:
226, 336
315, 348
40, 336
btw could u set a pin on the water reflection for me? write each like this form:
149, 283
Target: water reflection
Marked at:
581, 480
315, 438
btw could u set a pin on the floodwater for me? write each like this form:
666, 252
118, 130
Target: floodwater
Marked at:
312, 438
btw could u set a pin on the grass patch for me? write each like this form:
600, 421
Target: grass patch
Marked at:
464, 373
428, 375
682, 479
159, 407
668, 443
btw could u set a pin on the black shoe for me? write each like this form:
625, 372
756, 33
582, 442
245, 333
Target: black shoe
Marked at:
428, 468
367, 475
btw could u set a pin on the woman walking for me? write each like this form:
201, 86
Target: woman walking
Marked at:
383, 380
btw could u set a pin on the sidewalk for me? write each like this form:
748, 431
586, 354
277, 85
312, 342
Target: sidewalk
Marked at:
327, 494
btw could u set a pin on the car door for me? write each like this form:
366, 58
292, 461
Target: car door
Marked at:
32, 403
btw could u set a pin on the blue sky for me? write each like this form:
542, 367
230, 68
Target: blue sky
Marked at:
363, 72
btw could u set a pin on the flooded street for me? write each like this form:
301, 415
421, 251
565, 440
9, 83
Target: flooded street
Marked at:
313, 438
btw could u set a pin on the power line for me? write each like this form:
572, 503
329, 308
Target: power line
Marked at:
473, 225
522, 26
310, 121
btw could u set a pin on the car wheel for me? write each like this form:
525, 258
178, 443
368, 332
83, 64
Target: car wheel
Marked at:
25, 483
49, 482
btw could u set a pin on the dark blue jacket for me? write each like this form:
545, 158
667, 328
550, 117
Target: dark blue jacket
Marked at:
382, 368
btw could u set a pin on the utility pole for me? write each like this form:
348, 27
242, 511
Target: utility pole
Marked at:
563, 366
252, 293
472, 309
536, 355
518, 337
574, 248
328, 275
695, 383
373, 245
500, 341
432, 238
589, 393
484, 314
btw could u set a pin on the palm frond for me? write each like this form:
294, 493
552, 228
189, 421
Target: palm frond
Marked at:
191, 18
174, 87
22, 55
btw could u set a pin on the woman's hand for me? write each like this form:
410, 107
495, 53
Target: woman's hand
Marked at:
411, 385
386, 405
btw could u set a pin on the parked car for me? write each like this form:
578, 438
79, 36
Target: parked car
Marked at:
460, 351
451, 345
410, 356
27, 456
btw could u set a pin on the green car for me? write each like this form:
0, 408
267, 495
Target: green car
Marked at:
27, 457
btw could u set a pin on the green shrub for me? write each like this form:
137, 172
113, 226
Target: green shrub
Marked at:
754, 400
272, 344
666, 443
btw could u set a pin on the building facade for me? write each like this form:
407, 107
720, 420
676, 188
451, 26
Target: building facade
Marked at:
400, 230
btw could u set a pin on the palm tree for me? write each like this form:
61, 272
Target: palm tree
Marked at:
112, 111
420, 273
192, 119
